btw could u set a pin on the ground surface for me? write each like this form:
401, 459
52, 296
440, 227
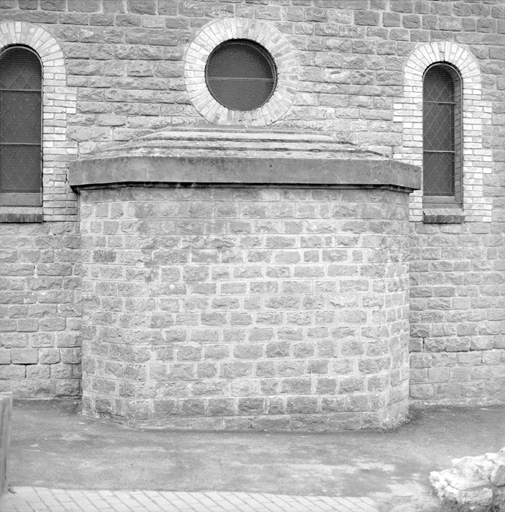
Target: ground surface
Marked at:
52, 446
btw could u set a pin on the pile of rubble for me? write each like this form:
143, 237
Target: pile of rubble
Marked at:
473, 484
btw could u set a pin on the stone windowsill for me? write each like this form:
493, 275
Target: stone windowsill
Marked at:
19, 214
446, 215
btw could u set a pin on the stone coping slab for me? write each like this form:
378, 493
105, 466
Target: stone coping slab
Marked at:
217, 157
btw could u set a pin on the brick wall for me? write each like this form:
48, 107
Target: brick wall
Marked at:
125, 63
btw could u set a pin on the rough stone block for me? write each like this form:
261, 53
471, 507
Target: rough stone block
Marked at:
472, 484
12, 372
49, 356
163, 408
142, 6
53, 5
5, 356
28, 4
25, 355
114, 6
84, 5
167, 7
36, 371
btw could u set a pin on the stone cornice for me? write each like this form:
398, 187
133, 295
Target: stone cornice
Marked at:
189, 157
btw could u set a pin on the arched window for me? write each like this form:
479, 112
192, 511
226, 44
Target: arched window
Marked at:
20, 127
442, 144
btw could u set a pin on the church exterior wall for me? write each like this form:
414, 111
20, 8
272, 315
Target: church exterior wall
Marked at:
116, 70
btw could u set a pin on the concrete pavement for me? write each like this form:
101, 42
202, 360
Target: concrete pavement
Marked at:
56, 452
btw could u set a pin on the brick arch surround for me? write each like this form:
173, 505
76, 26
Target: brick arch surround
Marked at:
263, 33
476, 113
58, 104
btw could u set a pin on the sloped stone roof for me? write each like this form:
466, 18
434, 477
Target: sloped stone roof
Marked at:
226, 157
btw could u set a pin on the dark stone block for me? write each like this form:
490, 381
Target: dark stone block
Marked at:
142, 6
21, 217
53, 5
443, 219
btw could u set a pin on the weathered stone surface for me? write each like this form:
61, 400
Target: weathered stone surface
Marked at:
497, 477
167, 157
473, 484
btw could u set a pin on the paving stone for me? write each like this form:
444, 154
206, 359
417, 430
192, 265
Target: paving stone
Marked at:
38, 499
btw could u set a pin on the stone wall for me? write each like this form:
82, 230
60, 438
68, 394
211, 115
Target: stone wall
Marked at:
228, 287
239, 308
40, 286
457, 313
121, 74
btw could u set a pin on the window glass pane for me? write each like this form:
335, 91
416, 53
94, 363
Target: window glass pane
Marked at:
438, 175
438, 127
20, 121
240, 59
439, 132
240, 94
20, 117
240, 75
20, 70
438, 85
19, 168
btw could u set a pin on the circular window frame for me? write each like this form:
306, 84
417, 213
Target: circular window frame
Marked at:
265, 35
263, 54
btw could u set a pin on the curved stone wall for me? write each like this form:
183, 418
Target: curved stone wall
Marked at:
220, 306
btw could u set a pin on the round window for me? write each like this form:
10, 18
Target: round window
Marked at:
241, 74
